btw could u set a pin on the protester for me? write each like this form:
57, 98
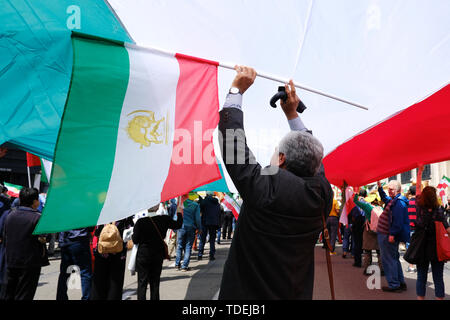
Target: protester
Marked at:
186, 234
5, 206
2, 252
370, 241
210, 208
333, 225
429, 211
75, 251
227, 226
172, 208
172, 245
393, 228
447, 209
109, 268
5, 200
347, 240
356, 217
24, 251
221, 220
272, 252
412, 214
148, 233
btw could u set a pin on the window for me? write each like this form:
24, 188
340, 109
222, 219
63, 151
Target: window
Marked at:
426, 174
406, 177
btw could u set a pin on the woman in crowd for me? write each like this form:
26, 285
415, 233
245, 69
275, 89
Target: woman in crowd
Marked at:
429, 211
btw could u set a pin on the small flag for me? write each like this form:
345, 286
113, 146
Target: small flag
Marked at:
46, 166
13, 189
442, 187
232, 205
32, 160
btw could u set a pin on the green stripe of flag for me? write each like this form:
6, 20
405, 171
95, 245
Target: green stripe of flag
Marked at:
87, 138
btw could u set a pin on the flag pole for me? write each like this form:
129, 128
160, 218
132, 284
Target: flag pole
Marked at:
29, 178
278, 79
259, 74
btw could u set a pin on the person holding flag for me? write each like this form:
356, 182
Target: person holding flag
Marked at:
284, 205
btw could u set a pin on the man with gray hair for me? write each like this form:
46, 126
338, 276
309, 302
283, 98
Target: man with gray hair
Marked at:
272, 251
393, 228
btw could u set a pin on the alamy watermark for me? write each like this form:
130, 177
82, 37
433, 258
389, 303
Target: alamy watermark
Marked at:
74, 19
74, 280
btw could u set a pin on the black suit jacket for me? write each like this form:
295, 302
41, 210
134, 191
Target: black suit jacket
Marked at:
272, 252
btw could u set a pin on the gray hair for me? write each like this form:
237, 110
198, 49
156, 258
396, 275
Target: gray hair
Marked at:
397, 185
303, 153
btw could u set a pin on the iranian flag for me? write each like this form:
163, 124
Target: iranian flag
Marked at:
13, 189
232, 205
137, 130
442, 187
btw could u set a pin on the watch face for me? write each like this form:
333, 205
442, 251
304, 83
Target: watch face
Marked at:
234, 90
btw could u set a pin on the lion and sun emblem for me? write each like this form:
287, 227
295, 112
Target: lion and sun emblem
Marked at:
145, 129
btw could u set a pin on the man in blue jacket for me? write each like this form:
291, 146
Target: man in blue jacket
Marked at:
393, 228
186, 235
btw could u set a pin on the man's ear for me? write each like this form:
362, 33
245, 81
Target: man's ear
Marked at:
281, 160
36, 204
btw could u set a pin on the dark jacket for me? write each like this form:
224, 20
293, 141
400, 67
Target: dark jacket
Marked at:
3, 265
148, 239
210, 208
272, 252
425, 221
5, 204
172, 208
23, 250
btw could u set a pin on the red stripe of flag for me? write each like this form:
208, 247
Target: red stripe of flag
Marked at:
196, 110
230, 206
32, 160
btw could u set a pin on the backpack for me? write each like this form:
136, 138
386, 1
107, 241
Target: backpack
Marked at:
374, 216
110, 240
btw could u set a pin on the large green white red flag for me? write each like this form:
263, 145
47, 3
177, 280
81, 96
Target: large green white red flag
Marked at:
136, 130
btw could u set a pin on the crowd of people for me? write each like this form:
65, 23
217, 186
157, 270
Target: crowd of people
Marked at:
99, 253
385, 223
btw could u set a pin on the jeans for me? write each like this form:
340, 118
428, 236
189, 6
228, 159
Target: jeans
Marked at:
437, 269
77, 253
332, 226
185, 240
390, 258
219, 232
346, 239
211, 230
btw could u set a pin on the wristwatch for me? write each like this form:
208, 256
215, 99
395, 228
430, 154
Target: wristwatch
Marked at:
234, 90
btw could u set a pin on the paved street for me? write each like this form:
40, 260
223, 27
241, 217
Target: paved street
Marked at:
202, 282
